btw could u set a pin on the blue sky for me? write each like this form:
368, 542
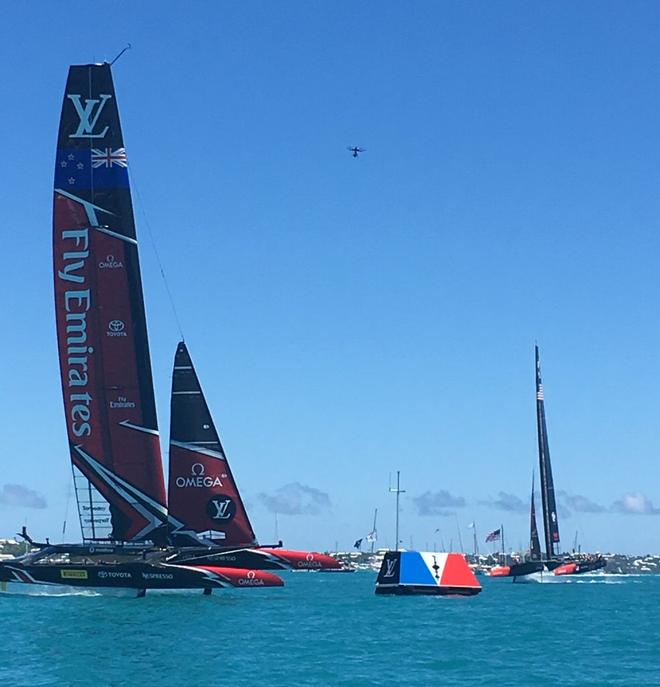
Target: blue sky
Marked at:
349, 318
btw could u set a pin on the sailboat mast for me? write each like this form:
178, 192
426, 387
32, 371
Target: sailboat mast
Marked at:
458, 529
373, 531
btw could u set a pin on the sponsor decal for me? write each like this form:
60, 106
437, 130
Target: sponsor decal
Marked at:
157, 576
110, 263
96, 520
114, 575
221, 507
309, 562
122, 402
73, 574
88, 114
76, 305
116, 328
391, 567
198, 479
250, 580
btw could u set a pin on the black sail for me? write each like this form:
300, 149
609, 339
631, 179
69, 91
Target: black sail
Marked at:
550, 524
534, 543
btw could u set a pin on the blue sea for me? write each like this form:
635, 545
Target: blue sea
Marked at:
324, 629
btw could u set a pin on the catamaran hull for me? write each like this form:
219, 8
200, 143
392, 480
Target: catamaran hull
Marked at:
534, 570
516, 570
263, 559
568, 568
130, 576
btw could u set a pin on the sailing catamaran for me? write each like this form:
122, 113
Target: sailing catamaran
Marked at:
208, 519
553, 561
106, 371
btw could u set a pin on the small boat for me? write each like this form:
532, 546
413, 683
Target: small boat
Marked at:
423, 572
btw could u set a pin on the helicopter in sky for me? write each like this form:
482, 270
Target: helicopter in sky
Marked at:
355, 150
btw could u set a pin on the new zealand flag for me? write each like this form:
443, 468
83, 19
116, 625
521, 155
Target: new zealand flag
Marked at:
87, 168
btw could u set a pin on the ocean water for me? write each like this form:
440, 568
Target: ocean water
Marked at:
332, 630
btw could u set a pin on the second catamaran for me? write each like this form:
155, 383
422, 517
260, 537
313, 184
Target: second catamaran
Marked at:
553, 561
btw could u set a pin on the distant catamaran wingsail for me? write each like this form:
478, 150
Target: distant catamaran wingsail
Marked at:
550, 524
106, 372
552, 562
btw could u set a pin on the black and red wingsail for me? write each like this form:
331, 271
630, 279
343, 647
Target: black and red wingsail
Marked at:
101, 326
202, 494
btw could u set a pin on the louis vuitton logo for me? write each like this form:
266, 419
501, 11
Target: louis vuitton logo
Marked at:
89, 115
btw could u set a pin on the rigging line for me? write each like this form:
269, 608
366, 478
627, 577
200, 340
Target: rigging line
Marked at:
66, 509
128, 47
158, 260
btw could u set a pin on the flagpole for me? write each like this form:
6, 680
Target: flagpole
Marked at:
397, 491
502, 533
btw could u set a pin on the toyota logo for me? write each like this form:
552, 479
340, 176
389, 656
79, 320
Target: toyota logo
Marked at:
116, 326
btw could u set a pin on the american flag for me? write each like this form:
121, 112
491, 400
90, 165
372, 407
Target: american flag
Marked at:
539, 393
493, 536
106, 157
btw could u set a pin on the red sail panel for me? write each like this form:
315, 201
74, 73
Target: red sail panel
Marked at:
202, 495
101, 326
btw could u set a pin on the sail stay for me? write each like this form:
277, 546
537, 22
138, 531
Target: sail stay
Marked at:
101, 325
202, 494
550, 524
